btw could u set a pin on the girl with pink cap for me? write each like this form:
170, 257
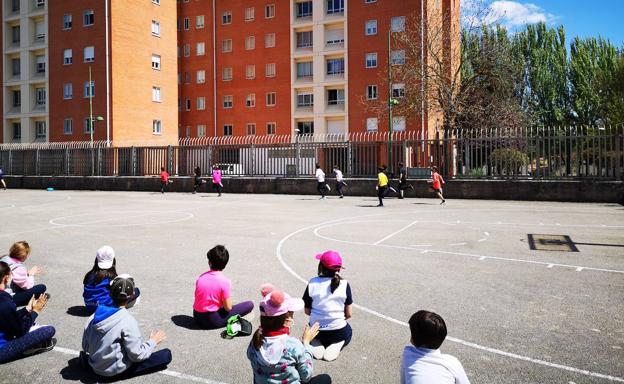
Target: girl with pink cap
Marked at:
275, 356
328, 302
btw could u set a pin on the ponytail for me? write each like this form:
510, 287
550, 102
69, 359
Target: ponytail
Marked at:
268, 324
257, 339
335, 282
335, 277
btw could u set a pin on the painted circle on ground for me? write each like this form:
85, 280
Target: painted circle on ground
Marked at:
121, 218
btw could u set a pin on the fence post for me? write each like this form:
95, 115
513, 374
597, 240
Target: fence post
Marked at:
67, 171
170, 159
10, 162
297, 156
133, 161
253, 160
99, 162
349, 159
618, 155
37, 162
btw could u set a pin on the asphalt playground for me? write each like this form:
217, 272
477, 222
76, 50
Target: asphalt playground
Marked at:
531, 292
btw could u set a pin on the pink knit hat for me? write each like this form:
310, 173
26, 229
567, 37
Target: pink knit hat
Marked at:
330, 260
275, 302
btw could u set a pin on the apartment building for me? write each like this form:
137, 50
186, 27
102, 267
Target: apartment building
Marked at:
257, 67
73, 68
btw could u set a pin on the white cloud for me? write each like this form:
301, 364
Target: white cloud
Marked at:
509, 13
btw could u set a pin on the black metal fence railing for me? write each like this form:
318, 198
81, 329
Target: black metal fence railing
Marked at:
535, 153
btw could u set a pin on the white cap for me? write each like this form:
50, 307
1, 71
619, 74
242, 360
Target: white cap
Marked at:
105, 257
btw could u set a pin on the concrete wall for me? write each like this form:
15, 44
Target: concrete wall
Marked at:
580, 191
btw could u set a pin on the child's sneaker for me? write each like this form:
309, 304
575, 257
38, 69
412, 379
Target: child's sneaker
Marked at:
47, 345
443, 202
332, 352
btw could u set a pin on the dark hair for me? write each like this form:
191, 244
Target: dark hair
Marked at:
162, 168
428, 329
434, 168
401, 164
97, 274
336, 166
326, 272
380, 169
197, 171
218, 257
317, 165
4, 269
268, 324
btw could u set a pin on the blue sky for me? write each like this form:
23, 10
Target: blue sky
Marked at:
579, 17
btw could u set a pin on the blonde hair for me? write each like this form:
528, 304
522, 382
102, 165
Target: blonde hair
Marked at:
19, 250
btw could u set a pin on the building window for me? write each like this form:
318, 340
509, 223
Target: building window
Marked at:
227, 130
68, 126
89, 54
305, 99
40, 3
251, 129
201, 76
89, 89
335, 66
187, 24
88, 18
226, 45
250, 72
335, 97
187, 105
398, 123
397, 24
41, 64
15, 6
16, 69
157, 2
40, 96
187, 50
269, 70
371, 92
226, 18
201, 103
250, 42
249, 13
156, 94
88, 125
397, 57
371, 60
68, 91
227, 74
304, 9
270, 99
67, 57
40, 129
250, 101
17, 131
334, 36
15, 35
67, 21
155, 28
304, 69
398, 90
305, 127
17, 98
156, 127
40, 31
201, 130
270, 127
156, 62
269, 11
201, 49
269, 40
372, 124
371, 27
370, 1
335, 6
304, 39
228, 101
199, 21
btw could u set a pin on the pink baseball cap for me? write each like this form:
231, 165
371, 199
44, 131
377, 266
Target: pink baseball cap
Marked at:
330, 260
275, 302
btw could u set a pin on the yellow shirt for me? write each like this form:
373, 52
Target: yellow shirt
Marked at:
383, 179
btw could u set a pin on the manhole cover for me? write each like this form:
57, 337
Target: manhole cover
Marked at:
561, 243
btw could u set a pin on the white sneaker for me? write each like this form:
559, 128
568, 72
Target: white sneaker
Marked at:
318, 351
332, 352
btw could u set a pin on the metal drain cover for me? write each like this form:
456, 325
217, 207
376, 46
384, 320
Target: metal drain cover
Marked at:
561, 243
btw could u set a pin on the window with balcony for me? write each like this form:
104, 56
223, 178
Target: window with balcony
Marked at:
89, 54
305, 127
304, 9
371, 60
270, 99
335, 66
227, 130
269, 40
251, 129
226, 18
40, 129
250, 101
304, 69
397, 24
228, 101
67, 21
335, 97
67, 57
68, 91
68, 126
156, 62
335, 6
370, 27
305, 99
270, 127
397, 57
304, 39
371, 92
88, 18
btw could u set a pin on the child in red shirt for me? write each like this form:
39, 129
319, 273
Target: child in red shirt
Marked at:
436, 183
164, 179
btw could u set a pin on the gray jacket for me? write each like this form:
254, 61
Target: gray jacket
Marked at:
113, 342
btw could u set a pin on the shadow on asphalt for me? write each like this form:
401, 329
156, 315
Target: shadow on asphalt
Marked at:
78, 310
75, 372
321, 379
367, 206
185, 321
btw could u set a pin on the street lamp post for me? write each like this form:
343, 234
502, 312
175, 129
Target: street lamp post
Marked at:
391, 101
92, 121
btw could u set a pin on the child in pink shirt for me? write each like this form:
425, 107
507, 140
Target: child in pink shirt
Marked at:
216, 179
213, 304
23, 286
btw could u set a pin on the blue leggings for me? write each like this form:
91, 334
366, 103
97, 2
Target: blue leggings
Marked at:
218, 319
22, 297
14, 349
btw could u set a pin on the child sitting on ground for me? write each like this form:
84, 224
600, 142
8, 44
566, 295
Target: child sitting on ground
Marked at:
275, 356
328, 301
23, 280
112, 343
97, 281
19, 336
213, 302
422, 362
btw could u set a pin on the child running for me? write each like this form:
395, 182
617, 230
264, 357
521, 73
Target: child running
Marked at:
213, 302
328, 302
275, 356
19, 336
422, 361
339, 181
382, 185
164, 179
216, 179
23, 286
436, 183
403, 181
97, 281
198, 180
112, 345
321, 185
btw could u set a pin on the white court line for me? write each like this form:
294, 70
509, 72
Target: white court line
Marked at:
396, 233
487, 234
167, 372
89, 223
280, 258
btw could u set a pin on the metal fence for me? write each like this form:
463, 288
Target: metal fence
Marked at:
536, 153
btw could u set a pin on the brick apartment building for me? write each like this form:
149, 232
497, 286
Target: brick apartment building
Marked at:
244, 67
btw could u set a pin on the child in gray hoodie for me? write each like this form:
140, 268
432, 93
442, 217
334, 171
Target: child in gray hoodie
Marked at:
112, 343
